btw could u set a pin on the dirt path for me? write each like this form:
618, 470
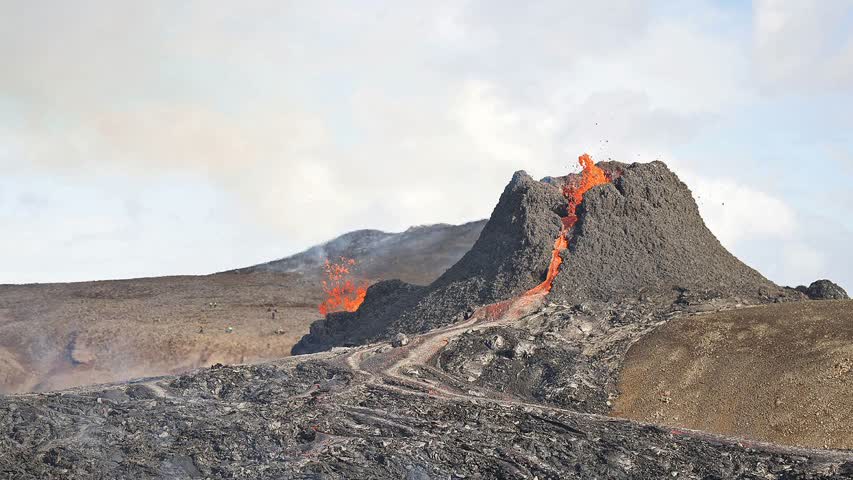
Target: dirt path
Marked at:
379, 363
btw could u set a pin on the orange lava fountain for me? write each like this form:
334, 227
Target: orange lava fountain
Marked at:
574, 191
342, 293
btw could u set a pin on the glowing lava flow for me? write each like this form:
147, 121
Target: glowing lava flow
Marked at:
574, 190
342, 294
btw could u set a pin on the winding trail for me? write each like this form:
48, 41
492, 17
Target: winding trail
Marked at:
380, 363
391, 368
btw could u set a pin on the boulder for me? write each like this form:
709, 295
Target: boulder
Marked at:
399, 340
823, 290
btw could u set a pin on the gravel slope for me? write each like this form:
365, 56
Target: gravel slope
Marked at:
367, 412
779, 373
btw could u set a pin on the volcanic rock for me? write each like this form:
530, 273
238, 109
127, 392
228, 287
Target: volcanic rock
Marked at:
399, 340
317, 420
495, 342
823, 290
384, 300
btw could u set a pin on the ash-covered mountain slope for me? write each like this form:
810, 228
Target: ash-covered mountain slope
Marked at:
418, 256
640, 234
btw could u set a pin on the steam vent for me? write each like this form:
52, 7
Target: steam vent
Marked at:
638, 234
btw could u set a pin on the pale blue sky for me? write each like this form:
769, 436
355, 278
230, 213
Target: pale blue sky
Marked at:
163, 137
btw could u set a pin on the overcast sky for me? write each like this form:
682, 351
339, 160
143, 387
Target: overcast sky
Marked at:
178, 137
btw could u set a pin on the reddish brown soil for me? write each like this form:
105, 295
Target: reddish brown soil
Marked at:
55, 336
779, 373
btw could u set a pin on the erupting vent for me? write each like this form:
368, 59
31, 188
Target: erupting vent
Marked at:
573, 190
342, 292
638, 232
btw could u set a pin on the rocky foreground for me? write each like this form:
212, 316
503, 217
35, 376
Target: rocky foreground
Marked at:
422, 410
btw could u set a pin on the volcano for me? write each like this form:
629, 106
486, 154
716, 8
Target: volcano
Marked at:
634, 232
588, 304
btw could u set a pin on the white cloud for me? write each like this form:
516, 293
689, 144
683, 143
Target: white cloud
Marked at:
735, 211
502, 133
803, 262
321, 117
805, 44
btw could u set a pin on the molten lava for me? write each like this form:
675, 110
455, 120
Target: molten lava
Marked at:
342, 293
573, 190
591, 176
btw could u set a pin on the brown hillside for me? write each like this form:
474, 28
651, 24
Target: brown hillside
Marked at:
62, 335
55, 336
779, 373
